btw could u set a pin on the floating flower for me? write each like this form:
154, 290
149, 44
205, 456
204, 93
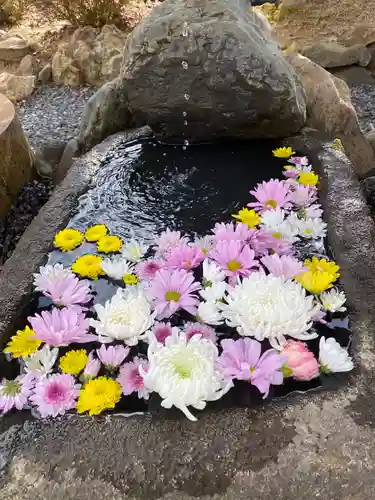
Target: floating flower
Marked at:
283, 152
264, 243
333, 358
112, 356
98, 395
291, 172
131, 279
109, 244
300, 361
48, 274
134, 250
333, 300
168, 240
184, 257
315, 283
94, 233
88, 266
270, 307
91, 370
212, 273
312, 228
303, 161
116, 268
283, 265
173, 290
23, 343
234, 258
125, 317
302, 196
210, 313
313, 212
184, 373
308, 178
68, 239
205, 243
15, 393
67, 291
248, 217
61, 327
242, 360
55, 395
161, 331
73, 362
148, 269
41, 362
131, 380
214, 292
278, 226
232, 232
205, 331
323, 265
270, 195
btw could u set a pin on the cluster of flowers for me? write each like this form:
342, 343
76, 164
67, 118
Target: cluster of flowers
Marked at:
237, 304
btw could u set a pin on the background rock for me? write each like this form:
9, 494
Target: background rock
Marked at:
13, 49
27, 66
16, 87
334, 55
45, 74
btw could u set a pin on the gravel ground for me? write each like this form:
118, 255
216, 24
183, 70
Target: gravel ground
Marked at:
363, 98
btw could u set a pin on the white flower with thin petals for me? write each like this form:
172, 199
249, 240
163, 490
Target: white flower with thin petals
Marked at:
212, 273
312, 228
313, 211
184, 373
127, 317
214, 292
276, 223
42, 361
333, 300
205, 243
134, 250
333, 358
270, 307
116, 268
50, 273
210, 313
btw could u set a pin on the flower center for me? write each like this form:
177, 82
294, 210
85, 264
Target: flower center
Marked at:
181, 367
188, 262
233, 265
271, 203
277, 235
54, 393
11, 388
172, 295
252, 369
119, 318
308, 231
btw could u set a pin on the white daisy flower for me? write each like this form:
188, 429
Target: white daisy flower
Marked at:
333, 357
333, 300
134, 250
210, 313
212, 273
312, 228
275, 222
205, 243
214, 292
116, 268
41, 362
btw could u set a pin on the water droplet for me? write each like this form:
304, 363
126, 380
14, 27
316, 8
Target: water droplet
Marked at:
185, 122
186, 142
184, 113
184, 64
187, 97
185, 29
184, 148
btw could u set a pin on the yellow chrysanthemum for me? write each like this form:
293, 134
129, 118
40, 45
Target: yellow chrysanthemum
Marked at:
94, 233
109, 244
284, 152
249, 217
73, 362
315, 282
68, 239
88, 266
98, 394
131, 279
308, 179
23, 344
323, 266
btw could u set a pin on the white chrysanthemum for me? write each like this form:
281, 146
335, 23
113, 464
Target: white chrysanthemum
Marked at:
333, 357
134, 250
184, 373
214, 292
270, 307
205, 243
125, 317
210, 313
42, 361
212, 273
275, 223
116, 268
333, 300
48, 273
312, 228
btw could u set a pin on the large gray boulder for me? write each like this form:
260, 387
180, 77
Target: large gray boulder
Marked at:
236, 82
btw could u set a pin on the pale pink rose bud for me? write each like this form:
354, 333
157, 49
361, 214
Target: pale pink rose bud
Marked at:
92, 368
300, 360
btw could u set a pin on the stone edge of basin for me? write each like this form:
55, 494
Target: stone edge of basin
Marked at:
351, 237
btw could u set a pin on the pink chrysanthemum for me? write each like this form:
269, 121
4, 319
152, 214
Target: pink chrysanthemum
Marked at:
55, 395
283, 265
264, 243
234, 258
168, 240
242, 360
184, 257
131, 380
147, 269
302, 161
67, 290
232, 232
161, 331
173, 290
112, 356
302, 196
15, 393
62, 327
270, 195
205, 331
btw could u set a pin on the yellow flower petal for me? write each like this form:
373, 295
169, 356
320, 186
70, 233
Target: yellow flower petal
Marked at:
88, 266
23, 344
94, 233
284, 152
308, 179
68, 239
109, 244
248, 217
98, 395
315, 283
73, 362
